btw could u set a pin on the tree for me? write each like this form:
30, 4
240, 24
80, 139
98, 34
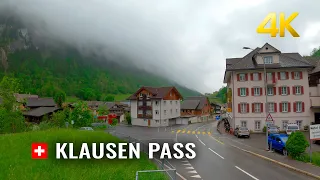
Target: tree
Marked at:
59, 118
109, 98
296, 144
103, 110
81, 114
128, 118
9, 86
60, 98
315, 52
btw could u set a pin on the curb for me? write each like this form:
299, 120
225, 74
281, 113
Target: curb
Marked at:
279, 163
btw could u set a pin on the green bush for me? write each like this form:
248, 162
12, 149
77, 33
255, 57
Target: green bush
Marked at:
114, 122
11, 121
296, 144
44, 125
59, 119
264, 129
128, 118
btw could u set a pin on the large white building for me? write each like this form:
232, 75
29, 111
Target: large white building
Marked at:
155, 106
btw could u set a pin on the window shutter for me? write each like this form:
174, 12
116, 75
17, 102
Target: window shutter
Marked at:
238, 77
301, 75
261, 107
273, 77
288, 88
274, 90
252, 91
246, 76
260, 76
280, 107
247, 91
238, 91
248, 107
279, 76
302, 106
275, 107
294, 107
260, 91
251, 76
289, 107
292, 75
239, 108
293, 90
252, 107
302, 91
280, 91
287, 75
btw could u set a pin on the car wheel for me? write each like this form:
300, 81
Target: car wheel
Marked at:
284, 152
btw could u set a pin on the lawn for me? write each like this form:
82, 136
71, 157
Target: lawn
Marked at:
121, 97
315, 158
16, 162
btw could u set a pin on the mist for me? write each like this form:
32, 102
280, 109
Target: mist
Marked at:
186, 41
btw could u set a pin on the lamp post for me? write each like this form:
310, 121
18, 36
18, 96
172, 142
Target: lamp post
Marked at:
266, 88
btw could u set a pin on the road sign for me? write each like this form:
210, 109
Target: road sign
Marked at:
218, 117
229, 110
269, 118
315, 132
269, 123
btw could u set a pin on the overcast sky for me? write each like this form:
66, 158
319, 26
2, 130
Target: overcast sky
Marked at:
186, 40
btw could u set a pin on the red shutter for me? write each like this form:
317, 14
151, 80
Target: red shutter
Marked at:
261, 92
261, 107
294, 107
279, 76
280, 107
238, 91
275, 107
292, 75
252, 107
273, 77
274, 90
302, 91
246, 77
252, 91
289, 107
251, 76
301, 75
280, 92
238, 77
247, 91
302, 106
293, 90
287, 75
260, 76
288, 90
239, 108
248, 108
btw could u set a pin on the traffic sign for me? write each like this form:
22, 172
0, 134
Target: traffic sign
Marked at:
269, 118
229, 110
217, 117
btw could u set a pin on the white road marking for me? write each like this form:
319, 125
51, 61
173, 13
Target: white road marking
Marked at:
216, 153
189, 168
196, 176
202, 142
185, 161
187, 164
192, 171
196, 136
247, 173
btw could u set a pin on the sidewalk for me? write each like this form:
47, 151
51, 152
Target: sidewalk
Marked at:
227, 138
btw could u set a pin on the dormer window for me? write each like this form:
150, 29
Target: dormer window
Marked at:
268, 60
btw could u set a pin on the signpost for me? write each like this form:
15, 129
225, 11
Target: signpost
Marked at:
314, 135
218, 117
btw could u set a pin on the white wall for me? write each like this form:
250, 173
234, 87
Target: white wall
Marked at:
165, 105
133, 106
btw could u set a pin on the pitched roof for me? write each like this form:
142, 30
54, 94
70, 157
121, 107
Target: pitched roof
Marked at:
194, 102
157, 92
40, 102
22, 97
315, 61
40, 111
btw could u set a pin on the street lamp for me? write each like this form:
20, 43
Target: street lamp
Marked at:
265, 85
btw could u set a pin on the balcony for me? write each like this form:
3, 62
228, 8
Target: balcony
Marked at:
147, 116
315, 101
145, 107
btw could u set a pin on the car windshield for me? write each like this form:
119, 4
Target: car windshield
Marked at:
293, 127
273, 127
284, 139
243, 129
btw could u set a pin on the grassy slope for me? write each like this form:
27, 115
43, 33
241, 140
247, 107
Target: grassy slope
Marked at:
16, 162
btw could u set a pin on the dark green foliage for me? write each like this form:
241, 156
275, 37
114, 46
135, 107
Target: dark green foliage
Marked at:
315, 52
103, 110
60, 97
60, 118
110, 98
114, 122
81, 115
11, 121
296, 144
264, 129
219, 96
128, 118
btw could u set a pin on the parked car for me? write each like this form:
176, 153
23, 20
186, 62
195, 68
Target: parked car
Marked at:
292, 127
242, 131
278, 142
86, 129
273, 130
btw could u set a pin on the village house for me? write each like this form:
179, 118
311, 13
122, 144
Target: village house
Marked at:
216, 108
197, 106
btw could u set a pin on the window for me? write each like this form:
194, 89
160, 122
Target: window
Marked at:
257, 107
157, 103
299, 123
271, 107
256, 76
257, 125
243, 108
176, 102
242, 77
268, 60
171, 102
284, 107
140, 103
298, 106
256, 91
170, 111
140, 112
284, 90
165, 112
157, 112
157, 121
283, 75
269, 76
270, 91
297, 90
243, 92
176, 110
149, 112
284, 124
148, 103
296, 75
243, 123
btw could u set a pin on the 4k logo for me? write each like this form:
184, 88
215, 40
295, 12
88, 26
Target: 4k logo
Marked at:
284, 24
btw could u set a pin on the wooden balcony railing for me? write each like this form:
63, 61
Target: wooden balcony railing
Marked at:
145, 116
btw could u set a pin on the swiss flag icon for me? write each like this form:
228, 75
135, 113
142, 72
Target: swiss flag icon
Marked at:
39, 150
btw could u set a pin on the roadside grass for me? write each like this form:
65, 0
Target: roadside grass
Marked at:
121, 97
16, 162
315, 158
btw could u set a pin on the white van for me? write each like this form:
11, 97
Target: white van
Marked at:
292, 127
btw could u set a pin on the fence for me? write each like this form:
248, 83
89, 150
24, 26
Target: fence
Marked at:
166, 168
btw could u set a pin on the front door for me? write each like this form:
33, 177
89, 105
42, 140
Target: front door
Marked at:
149, 122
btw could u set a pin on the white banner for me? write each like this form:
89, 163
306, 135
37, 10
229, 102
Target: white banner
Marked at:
315, 132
